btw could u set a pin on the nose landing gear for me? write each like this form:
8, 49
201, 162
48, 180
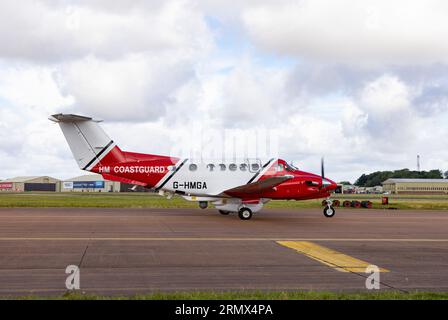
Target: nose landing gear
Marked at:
329, 211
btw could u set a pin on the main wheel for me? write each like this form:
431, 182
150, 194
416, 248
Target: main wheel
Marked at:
329, 212
225, 213
245, 213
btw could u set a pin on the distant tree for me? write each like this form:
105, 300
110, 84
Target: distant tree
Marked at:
345, 183
445, 175
376, 178
362, 180
434, 174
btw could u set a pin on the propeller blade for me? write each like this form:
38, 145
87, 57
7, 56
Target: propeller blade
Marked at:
322, 168
325, 182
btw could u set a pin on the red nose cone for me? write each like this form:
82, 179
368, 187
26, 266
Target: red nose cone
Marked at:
330, 184
333, 185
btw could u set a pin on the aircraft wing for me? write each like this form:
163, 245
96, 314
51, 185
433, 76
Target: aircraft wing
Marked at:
124, 180
259, 186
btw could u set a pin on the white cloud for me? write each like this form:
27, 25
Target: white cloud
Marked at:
385, 96
354, 119
109, 59
250, 94
382, 111
362, 89
135, 88
372, 32
31, 86
80, 29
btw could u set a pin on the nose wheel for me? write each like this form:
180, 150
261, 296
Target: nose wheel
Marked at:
329, 211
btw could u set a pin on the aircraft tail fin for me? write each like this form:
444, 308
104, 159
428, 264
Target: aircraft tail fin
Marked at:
90, 145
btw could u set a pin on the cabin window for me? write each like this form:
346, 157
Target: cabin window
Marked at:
211, 166
233, 167
222, 166
193, 167
243, 167
255, 167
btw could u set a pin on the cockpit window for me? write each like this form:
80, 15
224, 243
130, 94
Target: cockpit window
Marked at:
290, 167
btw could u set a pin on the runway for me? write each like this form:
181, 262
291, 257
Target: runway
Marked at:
133, 251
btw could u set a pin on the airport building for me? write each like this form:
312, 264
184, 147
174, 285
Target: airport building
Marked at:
90, 183
34, 183
416, 186
350, 189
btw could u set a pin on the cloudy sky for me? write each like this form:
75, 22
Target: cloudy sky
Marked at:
364, 83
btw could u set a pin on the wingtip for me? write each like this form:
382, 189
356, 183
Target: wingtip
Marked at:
53, 119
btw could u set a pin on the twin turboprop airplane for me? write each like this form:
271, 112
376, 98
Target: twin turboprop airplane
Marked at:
241, 186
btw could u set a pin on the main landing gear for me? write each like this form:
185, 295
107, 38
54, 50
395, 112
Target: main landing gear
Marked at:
245, 214
329, 210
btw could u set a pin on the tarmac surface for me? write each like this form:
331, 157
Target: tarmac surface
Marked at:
134, 251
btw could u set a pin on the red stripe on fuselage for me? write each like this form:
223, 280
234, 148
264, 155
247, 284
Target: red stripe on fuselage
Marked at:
145, 168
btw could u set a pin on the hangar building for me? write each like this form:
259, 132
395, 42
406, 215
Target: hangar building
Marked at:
34, 183
416, 186
90, 183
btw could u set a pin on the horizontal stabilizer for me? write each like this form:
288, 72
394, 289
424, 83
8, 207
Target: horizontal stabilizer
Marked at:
68, 118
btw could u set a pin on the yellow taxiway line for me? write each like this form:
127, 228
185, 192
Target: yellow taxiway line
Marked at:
329, 257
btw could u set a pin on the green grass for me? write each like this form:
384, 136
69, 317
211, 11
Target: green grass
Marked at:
255, 295
150, 200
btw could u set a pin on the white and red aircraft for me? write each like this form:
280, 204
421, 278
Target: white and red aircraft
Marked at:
236, 185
